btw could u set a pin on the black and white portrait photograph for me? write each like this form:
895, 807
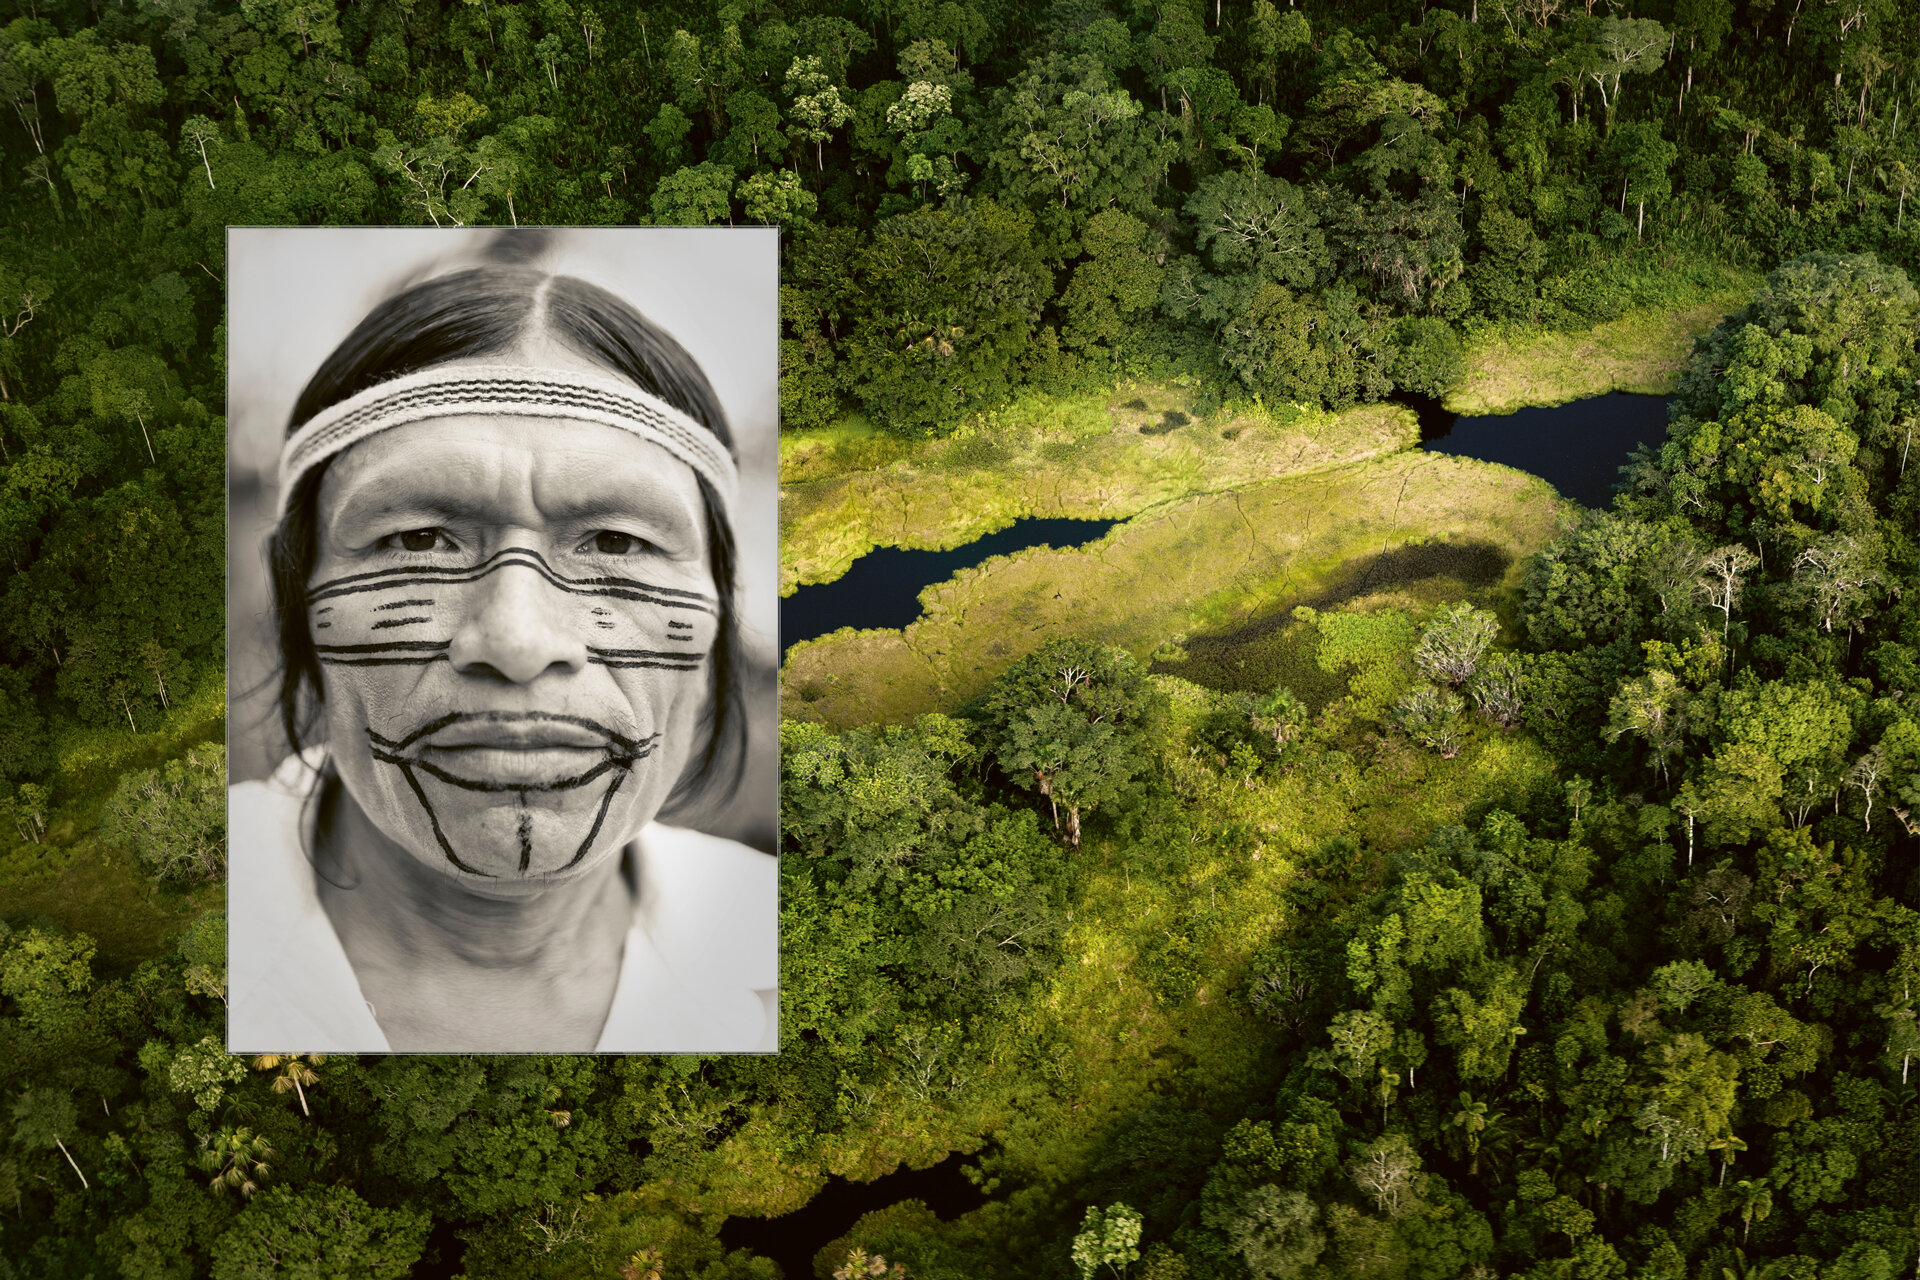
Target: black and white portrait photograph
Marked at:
501, 593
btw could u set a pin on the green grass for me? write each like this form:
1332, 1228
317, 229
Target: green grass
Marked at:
90, 759
1643, 351
1204, 565
1094, 457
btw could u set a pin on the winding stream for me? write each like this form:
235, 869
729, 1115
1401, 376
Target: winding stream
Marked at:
883, 587
1578, 448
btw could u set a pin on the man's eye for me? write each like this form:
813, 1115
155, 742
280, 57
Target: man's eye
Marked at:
420, 539
609, 543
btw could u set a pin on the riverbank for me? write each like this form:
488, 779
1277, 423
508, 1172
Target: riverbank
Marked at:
1203, 564
1643, 352
1108, 457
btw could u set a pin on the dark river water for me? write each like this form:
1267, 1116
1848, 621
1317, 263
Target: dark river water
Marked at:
1577, 448
883, 587
792, 1240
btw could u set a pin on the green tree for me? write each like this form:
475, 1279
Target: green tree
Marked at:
174, 818
1075, 140
47, 976
697, 196
1658, 708
1112, 288
1109, 1238
949, 304
1276, 1232
294, 1071
44, 1118
320, 1233
818, 109
1452, 644
777, 198
1648, 159
1073, 721
876, 800
1431, 717
1249, 222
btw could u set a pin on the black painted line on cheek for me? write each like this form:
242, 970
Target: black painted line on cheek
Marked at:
400, 604
606, 802
619, 587
433, 819
395, 622
385, 662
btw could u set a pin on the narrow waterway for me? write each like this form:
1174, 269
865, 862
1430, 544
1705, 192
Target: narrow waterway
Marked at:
792, 1239
883, 587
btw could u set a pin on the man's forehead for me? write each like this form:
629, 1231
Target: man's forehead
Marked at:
510, 467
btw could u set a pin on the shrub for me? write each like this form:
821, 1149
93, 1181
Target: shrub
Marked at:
1431, 717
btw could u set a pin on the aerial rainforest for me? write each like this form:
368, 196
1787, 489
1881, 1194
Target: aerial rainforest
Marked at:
1557, 918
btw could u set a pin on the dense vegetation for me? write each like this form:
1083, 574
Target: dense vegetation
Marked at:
1569, 933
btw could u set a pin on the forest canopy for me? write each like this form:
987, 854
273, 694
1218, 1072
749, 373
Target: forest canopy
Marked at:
1563, 931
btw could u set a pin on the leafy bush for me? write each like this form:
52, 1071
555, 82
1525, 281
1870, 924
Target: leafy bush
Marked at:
1454, 642
1431, 717
174, 818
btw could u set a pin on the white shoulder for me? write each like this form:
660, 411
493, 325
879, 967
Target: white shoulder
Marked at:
711, 905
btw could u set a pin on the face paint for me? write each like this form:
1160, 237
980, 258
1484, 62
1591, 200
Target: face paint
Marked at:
515, 715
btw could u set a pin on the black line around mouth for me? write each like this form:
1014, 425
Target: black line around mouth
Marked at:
452, 779
622, 753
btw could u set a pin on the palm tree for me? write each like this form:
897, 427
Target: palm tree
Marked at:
1473, 1119
237, 1159
1728, 1146
1756, 1202
294, 1073
1280, 714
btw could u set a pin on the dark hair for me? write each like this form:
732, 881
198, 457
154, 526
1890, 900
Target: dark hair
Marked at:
489, 310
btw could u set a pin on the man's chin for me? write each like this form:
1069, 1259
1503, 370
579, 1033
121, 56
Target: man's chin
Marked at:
529, 836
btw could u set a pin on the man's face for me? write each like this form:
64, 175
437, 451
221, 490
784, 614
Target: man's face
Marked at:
514, 618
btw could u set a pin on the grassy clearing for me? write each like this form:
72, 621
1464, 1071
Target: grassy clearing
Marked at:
1201, 565
86, 887
90, 760
1643, 351
845, 491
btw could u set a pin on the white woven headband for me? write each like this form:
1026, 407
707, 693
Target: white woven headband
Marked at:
450, 391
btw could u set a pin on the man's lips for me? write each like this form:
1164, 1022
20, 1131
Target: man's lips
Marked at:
516, 735
513, 750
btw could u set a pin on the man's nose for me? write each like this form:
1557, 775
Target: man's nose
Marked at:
516, 629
